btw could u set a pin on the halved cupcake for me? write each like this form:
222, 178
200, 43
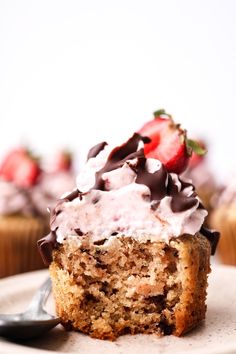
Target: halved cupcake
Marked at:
127, 250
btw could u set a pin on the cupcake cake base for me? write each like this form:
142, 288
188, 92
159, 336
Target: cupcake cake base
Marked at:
127, 286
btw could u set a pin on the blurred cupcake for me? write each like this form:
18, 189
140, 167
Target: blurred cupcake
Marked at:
57, 179
201, 176
26, 192
21, 223
223, 218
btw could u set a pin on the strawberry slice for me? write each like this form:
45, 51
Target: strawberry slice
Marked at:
169, 142
20, 167
63, 161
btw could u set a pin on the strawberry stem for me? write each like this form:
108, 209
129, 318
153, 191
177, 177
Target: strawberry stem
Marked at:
161, 112
195, 147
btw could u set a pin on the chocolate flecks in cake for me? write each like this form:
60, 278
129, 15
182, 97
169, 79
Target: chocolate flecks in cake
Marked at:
94, 151
156, 299
90, 297
166, 328
79, 232
100, 265
100, 242
212, 236
46, 245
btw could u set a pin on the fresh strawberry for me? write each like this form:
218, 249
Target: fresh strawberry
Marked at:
169, 142
20, 167
63, 161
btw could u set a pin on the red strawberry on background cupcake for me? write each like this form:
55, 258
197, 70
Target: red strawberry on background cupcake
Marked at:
63, 161
20, 167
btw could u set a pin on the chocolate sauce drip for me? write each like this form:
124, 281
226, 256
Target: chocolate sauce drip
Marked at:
74, 194
160, 182
156, 181
180, 202
212, 236
46, 245
185, 184
94, 151
161, 185
119, 156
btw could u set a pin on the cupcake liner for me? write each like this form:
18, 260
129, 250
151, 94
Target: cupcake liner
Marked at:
224, 220
18, 248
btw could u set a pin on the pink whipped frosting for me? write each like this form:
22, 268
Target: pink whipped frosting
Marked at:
124, 207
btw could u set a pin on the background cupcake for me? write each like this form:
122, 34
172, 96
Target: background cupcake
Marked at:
57, 178
223, 218
201, 176
25, 194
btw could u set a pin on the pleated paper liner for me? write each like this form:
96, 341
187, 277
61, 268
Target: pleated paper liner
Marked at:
18, 248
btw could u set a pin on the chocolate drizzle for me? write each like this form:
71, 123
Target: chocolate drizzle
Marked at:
160, 182
161, 185
212, 236
119, 156
156, 182
94, 151
47, 244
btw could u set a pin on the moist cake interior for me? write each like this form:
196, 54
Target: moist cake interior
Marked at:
130, 286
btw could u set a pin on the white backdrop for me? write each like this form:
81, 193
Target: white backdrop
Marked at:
73, 73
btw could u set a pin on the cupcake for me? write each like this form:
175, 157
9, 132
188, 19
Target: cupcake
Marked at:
24, 218
55, 180
21, 223
223, 217
127, 251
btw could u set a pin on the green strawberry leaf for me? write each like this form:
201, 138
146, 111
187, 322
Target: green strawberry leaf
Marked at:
159, 112
195, 147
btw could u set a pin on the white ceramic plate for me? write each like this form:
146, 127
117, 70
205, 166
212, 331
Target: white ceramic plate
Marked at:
217, 335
